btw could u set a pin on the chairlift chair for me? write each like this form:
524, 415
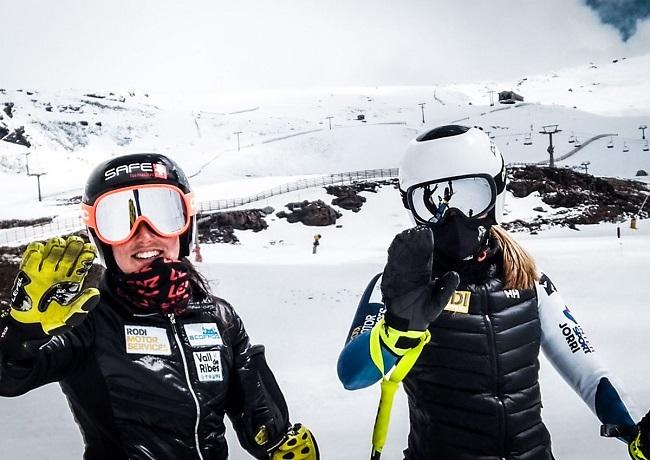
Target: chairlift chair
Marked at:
577, 143
645, 147
610, 144
572, 139
528, 140
625, 147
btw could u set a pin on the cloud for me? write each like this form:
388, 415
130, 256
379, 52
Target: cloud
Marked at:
225, 45
622, 14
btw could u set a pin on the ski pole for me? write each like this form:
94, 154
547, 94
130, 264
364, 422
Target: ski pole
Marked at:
389, 385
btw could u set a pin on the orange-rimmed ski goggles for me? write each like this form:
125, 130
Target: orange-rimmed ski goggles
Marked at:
115, 215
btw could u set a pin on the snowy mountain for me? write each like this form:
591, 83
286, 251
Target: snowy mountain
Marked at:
287, 133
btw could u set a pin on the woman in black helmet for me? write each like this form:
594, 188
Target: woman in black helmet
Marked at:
466, 314
150, 362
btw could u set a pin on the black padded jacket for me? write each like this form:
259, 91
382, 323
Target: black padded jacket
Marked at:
146, 386
474, 392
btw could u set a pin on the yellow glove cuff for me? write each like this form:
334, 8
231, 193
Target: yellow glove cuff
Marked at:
299, 444
635, 449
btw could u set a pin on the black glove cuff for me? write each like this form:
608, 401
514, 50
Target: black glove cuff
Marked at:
19, 341
396, 322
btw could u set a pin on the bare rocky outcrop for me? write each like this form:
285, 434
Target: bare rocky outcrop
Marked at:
313, 213
220, 227
347, 196
12, 223
577, 198
9, 109
17, 136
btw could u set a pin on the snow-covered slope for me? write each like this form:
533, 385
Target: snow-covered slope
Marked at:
287, 132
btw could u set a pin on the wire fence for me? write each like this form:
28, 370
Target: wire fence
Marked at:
321, 181
72, 224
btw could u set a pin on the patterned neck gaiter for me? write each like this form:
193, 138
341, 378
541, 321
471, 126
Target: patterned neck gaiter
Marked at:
164, 286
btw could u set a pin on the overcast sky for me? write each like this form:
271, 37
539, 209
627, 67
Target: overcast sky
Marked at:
244, 44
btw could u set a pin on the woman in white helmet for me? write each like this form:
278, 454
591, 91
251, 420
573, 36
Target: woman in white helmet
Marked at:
465, 314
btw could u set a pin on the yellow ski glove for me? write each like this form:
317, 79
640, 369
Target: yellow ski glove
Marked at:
299, 444
46, 297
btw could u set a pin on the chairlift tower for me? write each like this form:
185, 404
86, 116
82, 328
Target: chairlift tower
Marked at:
491, 93
422, 104
643, 128
237, 133
550, 130
38, 182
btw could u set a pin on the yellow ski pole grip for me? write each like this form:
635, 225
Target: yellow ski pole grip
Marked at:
390, 385
382, 421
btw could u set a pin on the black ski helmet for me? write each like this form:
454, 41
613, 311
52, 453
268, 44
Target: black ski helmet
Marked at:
129, 170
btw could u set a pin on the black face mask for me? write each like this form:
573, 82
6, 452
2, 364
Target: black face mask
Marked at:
458, 237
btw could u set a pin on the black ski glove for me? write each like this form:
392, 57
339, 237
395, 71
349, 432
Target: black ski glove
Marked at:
412, 297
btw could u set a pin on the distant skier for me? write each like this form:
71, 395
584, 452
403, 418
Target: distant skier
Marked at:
316, 243
463, 313
151, 361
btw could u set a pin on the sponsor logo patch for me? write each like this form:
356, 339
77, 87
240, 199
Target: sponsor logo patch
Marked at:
368, 322
548, 285
208, 366
144, 340
160, 171
137, 170
512, 293
575, 337
203, 334
459, 302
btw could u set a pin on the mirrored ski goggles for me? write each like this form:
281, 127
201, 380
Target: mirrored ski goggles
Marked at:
116, 215
473, 196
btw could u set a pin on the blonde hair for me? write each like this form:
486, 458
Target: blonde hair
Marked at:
519, 268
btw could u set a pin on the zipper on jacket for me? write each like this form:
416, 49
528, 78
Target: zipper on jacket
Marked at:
172, 320
495, 369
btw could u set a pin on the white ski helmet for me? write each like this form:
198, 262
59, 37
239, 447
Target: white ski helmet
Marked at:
461, 160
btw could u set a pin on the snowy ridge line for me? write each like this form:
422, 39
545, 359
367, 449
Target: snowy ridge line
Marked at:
71, 224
